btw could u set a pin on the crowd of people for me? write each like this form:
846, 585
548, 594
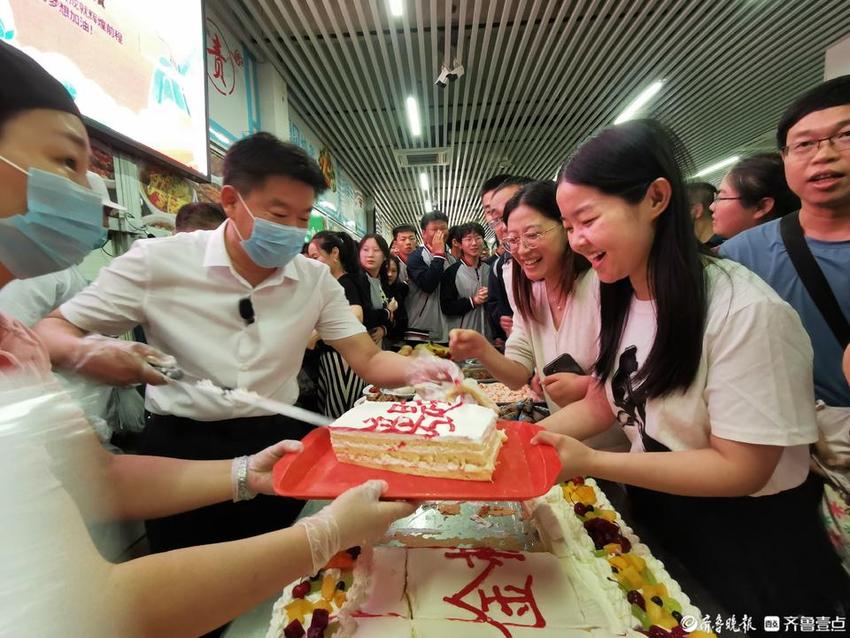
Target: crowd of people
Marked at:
690, 342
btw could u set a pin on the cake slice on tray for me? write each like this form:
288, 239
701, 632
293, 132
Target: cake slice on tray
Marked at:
425, 438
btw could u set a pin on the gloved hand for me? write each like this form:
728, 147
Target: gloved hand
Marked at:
260, 465
356, 517
119, 362
427, 368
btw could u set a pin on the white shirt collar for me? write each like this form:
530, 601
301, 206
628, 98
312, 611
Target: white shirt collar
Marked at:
216, 256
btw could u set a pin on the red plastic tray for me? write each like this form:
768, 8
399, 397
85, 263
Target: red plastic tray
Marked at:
523, 471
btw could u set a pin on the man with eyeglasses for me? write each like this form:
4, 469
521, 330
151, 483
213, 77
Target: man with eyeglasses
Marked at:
814, 138
498, 306
805, 257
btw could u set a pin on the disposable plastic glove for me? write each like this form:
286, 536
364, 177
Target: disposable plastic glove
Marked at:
428, 368
356, 517
119, 362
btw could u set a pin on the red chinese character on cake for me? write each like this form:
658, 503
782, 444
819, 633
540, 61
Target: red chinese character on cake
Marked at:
435, 408
501, 605
398, 425
403, 408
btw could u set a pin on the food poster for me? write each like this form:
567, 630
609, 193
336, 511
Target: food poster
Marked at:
163, 193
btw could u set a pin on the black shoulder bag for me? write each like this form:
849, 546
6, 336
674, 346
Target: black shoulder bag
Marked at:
813, 278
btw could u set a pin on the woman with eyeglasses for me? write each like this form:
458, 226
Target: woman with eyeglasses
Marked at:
463, 290
709, 373
753, 192
551, 330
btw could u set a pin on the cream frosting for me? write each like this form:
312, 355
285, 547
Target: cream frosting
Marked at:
441, 628
386, 584
567, 538
421, 419
483, 586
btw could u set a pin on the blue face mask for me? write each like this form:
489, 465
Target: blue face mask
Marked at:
271, 245
62, 224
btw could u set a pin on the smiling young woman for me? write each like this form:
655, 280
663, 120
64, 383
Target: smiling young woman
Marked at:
556, 299
709, 374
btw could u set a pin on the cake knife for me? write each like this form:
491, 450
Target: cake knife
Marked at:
177, 375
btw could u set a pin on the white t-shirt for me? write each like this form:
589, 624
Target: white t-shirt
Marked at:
753, 385
185, 293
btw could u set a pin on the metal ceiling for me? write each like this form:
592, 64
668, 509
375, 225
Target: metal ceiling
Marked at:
540, 76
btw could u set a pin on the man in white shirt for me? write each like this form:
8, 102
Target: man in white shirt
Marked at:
236, 305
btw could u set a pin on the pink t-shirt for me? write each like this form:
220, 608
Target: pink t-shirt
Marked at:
21, 349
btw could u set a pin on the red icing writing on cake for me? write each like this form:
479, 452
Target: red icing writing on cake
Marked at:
514, 603
421, 418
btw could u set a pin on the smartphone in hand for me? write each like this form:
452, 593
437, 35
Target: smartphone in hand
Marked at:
563, 363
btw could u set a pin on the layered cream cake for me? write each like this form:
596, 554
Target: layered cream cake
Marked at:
425, 438
607, 561
595, 581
